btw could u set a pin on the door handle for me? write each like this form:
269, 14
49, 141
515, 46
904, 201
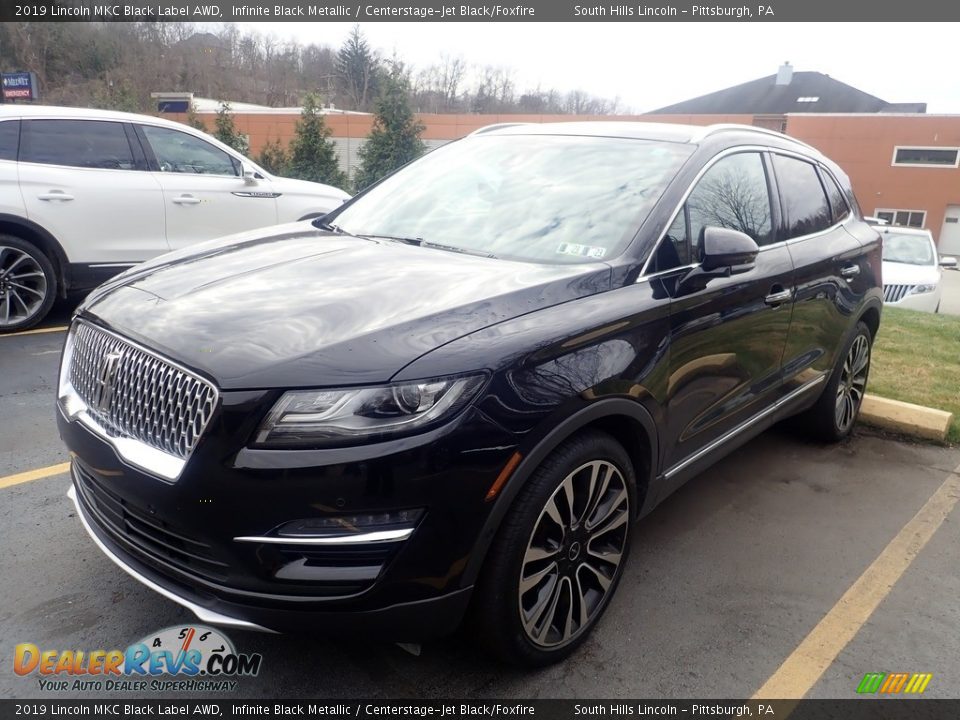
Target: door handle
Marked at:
779, 297
850, 271
186, 200
55, 195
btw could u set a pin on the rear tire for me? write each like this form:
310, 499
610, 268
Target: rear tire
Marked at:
559, 554
833, 417
28, 284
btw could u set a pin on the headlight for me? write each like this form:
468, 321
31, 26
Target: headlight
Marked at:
325, 418
920, 289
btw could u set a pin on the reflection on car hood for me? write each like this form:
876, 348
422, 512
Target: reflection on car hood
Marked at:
301, 307
895, 273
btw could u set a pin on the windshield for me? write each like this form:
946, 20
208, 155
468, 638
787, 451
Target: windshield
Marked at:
909, 249
554, 199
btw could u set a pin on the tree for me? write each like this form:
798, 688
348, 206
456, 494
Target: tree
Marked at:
313, 155
357, 68
226, 132
395, 139
273, 157
194, 121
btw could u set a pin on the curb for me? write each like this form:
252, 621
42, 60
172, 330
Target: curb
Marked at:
905, 418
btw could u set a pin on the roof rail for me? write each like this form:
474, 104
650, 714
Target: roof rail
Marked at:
728, 127
497, 126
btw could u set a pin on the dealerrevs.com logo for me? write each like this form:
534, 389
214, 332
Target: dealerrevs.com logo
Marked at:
181, 658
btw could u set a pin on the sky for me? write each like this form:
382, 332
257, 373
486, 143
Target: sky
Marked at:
649, 65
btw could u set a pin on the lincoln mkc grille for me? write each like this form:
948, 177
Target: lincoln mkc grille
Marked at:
135, 394
895, 293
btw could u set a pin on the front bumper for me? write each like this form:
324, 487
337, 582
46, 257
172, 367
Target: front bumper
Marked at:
180, 538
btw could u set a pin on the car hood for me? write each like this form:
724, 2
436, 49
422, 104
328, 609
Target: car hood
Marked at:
300, 307
895, 273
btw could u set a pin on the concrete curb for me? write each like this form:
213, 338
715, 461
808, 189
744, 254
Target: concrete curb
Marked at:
906, 418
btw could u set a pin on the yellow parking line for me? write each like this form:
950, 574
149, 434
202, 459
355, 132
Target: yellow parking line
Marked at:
38, 474
801, 670
37, 331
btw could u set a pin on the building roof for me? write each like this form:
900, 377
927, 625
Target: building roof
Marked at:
207, 106
796, 92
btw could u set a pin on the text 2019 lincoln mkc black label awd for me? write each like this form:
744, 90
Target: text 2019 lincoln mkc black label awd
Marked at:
454, 396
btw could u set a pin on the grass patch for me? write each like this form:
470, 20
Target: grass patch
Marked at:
916, 359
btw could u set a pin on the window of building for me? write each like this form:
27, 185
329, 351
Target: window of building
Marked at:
805, 207
903, 218
926, 156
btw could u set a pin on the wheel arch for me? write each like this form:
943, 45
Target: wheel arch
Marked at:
625, 420
35, 234
871, 316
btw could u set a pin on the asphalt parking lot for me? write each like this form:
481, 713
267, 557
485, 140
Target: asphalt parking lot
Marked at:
789, 566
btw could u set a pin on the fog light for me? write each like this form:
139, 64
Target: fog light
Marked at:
345, 524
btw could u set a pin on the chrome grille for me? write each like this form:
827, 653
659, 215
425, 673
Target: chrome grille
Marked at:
141, 396
895, 293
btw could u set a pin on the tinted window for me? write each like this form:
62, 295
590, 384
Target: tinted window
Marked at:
675, 249
78, 143
837, 201
805, 207
731, 194
179, 152
9, 139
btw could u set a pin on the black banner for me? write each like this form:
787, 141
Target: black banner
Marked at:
472, 10
852, 709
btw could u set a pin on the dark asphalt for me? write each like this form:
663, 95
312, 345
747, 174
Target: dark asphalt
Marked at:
726, 578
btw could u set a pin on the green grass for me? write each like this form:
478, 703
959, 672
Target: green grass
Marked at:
916, 359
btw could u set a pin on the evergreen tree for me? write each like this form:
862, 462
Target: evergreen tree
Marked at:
273, 157
395, 139
357, 69
313, 155
226, 132
194, 121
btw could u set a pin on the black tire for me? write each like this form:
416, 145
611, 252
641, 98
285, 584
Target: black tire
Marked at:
824, 421
586, 576
28, 284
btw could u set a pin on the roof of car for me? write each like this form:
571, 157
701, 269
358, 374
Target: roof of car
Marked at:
667, 132
55, 111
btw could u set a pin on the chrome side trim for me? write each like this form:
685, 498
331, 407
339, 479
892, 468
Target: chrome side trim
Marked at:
766, 412
205, 615
360, 538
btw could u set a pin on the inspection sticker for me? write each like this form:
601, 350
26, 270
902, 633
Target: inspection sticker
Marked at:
590, 251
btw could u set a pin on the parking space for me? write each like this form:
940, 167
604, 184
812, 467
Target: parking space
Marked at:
725, 582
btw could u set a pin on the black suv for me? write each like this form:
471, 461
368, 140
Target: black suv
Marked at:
455, 395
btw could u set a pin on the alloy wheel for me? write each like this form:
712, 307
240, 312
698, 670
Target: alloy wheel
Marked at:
23, 286
853, 383
574, 554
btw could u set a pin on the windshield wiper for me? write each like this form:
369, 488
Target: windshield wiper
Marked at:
453, 248
397, 238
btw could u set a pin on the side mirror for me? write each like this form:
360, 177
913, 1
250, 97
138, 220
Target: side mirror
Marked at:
948, 262
250, 176
726, 248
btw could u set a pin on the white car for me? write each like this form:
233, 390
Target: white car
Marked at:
85, 194
912, 269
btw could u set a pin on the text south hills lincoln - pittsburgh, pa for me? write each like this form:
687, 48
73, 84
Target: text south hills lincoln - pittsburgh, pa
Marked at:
700, 11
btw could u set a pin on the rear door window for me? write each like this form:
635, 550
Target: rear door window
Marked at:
76, 143
805, 207
838, 203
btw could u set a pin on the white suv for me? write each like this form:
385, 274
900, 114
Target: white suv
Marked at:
85, 194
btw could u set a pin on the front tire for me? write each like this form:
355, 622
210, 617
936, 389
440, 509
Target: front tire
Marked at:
28, 284
833, 417
559, 555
